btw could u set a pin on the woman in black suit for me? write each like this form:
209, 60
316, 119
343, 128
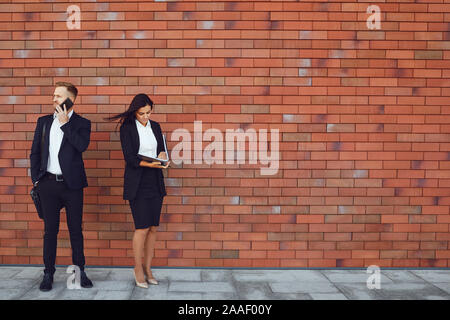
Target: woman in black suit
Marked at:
143, 181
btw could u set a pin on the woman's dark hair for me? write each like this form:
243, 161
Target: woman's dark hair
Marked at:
139, 101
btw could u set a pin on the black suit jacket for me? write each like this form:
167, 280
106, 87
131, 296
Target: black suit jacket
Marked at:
75, 141
129, 138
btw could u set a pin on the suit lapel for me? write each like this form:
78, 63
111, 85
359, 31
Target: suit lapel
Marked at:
154, 127
135, 136
48, 125
72, 119
158, 135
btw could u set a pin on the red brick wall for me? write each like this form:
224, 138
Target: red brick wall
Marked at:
363, 117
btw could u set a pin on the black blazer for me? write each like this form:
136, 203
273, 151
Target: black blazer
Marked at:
75, 141
129, 138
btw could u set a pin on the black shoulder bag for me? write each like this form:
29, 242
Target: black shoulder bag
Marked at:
34, 192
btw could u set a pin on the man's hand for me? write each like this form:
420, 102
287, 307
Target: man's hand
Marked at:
62, 115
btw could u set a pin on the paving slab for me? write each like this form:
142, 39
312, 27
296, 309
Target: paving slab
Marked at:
35, 294
8, 273
16, 283
216, 275
402, 276
357, 291
278, 275
291, 296
99, 274
28, 273
183, 296
220, 296
115, 285
444, 286
22, 282
353, 276
303, 287
253, 291
189, 286
112, 295
78, 294
410, 291
11, 294
435, 276
328, 296
118, 274
152, 293
178, 274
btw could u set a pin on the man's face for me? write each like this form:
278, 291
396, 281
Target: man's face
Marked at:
60, 95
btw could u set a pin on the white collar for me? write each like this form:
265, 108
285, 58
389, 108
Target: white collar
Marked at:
140, 124
69, 114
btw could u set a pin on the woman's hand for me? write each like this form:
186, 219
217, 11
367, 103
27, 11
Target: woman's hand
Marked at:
159, 165
155, 164
165, 166
162, 155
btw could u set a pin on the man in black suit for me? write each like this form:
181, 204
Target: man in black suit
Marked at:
60, 177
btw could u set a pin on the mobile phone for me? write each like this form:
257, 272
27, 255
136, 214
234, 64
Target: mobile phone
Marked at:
68, 104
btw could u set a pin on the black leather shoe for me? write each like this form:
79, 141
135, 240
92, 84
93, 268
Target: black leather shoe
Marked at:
85, 282
46, 284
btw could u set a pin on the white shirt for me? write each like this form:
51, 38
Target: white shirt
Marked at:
147, 141
55, 140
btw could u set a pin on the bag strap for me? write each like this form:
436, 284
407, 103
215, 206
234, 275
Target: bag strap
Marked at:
42, 145
42, 138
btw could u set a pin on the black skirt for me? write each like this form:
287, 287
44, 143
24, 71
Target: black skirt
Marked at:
146, 207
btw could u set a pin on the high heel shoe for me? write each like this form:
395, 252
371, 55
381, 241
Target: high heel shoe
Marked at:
140, 284
150, 280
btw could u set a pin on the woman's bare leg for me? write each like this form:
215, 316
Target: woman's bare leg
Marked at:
150, 249
139, 239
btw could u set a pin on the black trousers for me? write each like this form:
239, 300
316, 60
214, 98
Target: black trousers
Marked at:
54, 195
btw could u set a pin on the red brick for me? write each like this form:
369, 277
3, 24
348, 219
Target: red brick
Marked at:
381, 176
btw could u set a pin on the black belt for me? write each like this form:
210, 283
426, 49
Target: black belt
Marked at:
56, 177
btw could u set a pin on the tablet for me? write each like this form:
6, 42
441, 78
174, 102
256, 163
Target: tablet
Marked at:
151, 159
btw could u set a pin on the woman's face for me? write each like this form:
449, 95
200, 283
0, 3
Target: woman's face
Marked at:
143, 114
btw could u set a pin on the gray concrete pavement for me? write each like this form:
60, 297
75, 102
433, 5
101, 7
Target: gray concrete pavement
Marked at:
22, 283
